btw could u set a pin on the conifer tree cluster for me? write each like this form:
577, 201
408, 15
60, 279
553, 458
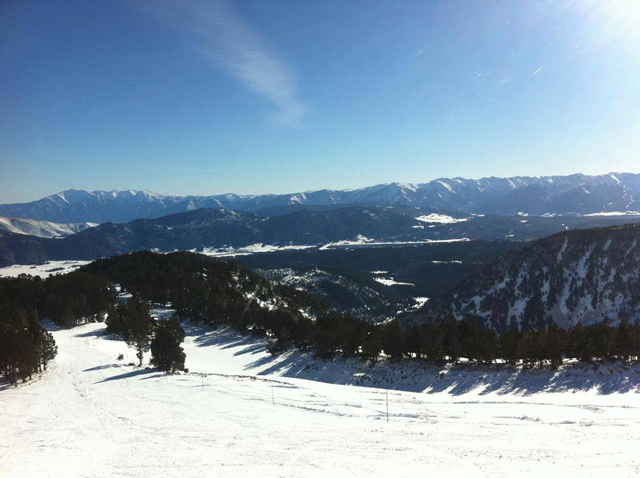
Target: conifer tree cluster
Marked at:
67, 300
25, 347
218, 292
132, 321
221, 292
166, 353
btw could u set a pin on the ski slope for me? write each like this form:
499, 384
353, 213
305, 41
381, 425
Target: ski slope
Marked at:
241, 412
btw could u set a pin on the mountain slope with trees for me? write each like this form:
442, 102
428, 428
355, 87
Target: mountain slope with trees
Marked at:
574, 277
222, 228
219, 292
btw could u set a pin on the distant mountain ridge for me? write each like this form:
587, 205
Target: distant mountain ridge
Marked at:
582, 276
352, 226
33, 227
574, 194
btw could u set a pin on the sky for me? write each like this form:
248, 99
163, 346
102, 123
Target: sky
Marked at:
253, 97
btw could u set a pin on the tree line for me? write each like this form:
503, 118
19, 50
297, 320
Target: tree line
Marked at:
25, 346
221, 292
218, 292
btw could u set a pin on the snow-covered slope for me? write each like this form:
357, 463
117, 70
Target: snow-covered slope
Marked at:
577, 276
240, 412
577, 193
33, 227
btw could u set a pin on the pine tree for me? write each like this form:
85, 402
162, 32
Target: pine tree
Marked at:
450, 340
510, 345
553, 345
48, 349
166, 353
114, 320
139, 325
393, 340
371, 344
487, 345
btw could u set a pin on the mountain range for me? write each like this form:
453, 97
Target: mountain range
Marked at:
355, 226
574, 194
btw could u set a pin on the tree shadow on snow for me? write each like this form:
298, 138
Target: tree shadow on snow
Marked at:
421, 376
92, 333
124, 376
103, 367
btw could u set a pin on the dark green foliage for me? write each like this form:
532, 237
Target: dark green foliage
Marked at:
393, 340
627, 340
328, 334
371, 340
450, 340
220, 292
115, 320
510, 345
166, 353
138, 326
552, 345
68, 300
25, 347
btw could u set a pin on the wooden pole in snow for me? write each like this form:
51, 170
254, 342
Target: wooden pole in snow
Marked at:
387, 390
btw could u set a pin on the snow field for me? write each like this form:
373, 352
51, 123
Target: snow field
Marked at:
42, 270
241, 412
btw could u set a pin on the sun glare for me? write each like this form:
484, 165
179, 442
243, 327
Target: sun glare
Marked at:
621, 18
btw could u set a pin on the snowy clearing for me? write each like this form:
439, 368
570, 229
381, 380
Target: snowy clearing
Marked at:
242, 412
248, 250
614, 214
389, 281
440, 219
42, 270
362, 241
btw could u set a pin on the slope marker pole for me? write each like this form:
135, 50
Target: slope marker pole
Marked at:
387, 390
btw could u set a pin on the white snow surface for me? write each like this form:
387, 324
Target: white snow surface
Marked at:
440, 219
42, 270
241, 412
362, 241
248, 250
32, 227
614, 213
389, 281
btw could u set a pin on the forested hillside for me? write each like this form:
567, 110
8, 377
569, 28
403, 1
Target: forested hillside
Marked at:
214, 230
219, 292
574, 277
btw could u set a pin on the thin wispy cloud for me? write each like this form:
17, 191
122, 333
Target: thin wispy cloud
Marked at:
226, 40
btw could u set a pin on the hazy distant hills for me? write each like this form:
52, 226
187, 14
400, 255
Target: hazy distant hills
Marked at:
222, 228
575, 194
584, 276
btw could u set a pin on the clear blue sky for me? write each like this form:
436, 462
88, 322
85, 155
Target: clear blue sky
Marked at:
207, 97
